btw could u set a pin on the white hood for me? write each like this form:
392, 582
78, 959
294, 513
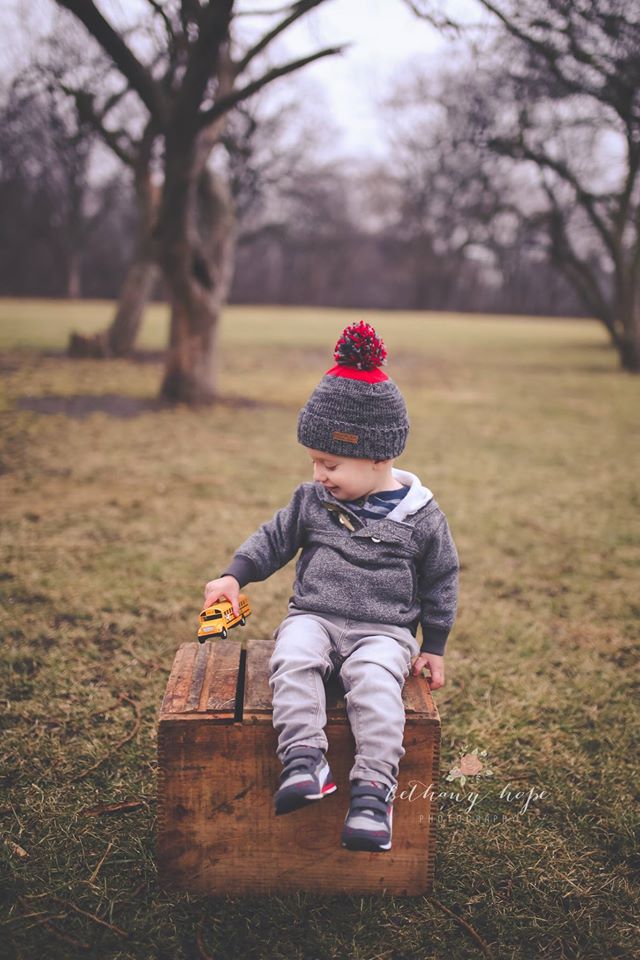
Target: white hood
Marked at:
417, 496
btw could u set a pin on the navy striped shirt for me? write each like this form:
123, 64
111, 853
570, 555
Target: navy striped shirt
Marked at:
377, 505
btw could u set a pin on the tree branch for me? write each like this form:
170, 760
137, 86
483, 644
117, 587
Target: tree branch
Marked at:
174, 40
213, 31
112, 43
262, 13
519, 150
297, 10
439, 21
168, 26
576, 270
226, 103
621, 216
87, 113
113, 100
189, 12
549, 53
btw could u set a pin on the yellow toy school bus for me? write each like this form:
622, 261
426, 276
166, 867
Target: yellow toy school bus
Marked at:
217, 620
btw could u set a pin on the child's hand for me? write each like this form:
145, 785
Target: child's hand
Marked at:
226, 587
436, 667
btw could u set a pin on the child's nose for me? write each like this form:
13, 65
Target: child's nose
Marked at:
319, 475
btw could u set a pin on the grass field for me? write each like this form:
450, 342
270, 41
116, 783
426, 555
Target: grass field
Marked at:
529, 436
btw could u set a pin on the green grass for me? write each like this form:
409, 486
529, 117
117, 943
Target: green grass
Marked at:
529, 436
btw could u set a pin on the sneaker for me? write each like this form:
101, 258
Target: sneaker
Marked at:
306, 776
368, 823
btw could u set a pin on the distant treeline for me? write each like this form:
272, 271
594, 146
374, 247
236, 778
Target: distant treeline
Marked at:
50, 251
307, 232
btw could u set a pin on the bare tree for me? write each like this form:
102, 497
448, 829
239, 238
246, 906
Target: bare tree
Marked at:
44, 181
557, 98
63, 70
187, 98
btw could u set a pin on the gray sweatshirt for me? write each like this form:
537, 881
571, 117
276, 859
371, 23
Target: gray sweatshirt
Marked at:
401, 569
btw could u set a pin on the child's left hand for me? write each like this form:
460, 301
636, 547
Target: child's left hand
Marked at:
435, 664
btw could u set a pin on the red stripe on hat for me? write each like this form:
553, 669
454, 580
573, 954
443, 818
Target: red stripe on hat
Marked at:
351, 373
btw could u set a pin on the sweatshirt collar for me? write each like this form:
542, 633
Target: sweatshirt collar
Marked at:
416, 497
412, 501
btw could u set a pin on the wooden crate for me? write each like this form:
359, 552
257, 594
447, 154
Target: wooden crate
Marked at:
218, 770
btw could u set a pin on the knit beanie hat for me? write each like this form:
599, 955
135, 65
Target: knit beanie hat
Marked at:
356, 410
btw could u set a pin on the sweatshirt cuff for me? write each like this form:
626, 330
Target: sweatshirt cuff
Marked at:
433, 639
242, 568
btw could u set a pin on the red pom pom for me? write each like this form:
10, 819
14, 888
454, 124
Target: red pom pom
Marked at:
360, 347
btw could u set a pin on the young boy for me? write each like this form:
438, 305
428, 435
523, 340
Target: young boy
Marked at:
376, 560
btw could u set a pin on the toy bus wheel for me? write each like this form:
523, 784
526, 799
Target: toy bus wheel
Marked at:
243, 621
223, 633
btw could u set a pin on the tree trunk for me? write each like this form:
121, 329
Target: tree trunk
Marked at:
630, 357
137, 288
74, 290
422, 253
198, 271
628, 316
629, 348
119, 339
191, 368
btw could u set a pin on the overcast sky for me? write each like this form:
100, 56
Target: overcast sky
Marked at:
385, 39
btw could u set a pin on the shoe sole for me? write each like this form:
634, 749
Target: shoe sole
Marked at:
295, 802
363, 842
366, 844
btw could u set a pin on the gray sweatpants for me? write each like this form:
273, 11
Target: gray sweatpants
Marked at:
372, 660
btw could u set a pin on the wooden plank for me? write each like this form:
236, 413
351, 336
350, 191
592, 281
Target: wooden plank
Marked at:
203, 657
222, 679
257, 692
417, 699
179, 683
203, 680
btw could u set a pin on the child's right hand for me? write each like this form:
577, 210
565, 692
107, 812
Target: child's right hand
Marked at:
227, 587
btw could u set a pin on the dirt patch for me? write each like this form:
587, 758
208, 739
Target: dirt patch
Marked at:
138, 356
114, 405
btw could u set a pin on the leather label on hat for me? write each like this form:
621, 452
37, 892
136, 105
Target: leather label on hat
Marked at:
345, 437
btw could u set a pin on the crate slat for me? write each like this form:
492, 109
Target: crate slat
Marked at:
204, 680
257, 692
223, 678
179, 683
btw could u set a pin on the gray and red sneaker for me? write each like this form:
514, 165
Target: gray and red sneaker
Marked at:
305, 777
368, 824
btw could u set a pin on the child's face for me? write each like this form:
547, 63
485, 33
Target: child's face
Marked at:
347, 478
